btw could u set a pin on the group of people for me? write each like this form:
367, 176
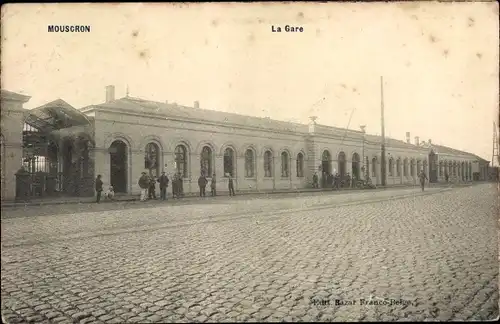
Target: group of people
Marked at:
147, 183
203, 181
335, 181
108, 195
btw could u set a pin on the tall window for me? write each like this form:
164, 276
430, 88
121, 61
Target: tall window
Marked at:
268, 164
374, 170
391, 167
412, 168
419, 167
206, 161
249, 164
285, 168
441, 172
398, 167
181, 160
300, 165
405, 167
151, 159
228, 162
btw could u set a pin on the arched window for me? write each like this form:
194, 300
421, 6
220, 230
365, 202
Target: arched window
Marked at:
249, 164
206, 161
285, 167
152, 159
405, 167
300, 165
374, 169
412, 168
268, 164
398, 167
419, 167
228, 162
391, 167
181, 160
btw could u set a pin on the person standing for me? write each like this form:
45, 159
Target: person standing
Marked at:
98, 187
422, 177
163, 180
144, 185
315, 180
152, 188
180, 185
213, 186
175, 186
231, 186
202, 183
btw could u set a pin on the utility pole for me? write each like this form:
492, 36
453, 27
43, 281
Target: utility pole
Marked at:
383, 166
363, 166
495, 159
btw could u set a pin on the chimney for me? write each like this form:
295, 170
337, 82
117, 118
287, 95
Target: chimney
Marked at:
417, 143
408, 137
430, 141
110, 93
196, 104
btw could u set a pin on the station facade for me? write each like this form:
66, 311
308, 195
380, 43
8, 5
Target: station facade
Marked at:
62, 149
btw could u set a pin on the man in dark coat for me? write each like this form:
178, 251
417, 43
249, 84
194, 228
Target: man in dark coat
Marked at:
202, 183
213, 186
152, 188
422, 176
315, 180
98, 187
231, 186
144, 185
180, 185
175, 186
163, 180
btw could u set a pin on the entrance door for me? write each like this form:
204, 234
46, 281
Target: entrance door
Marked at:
118, 164
433, 167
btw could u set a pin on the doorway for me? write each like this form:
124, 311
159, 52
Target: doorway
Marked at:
118, 166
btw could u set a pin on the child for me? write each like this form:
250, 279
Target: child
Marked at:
110, 194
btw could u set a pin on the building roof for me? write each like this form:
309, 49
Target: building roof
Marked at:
178, 111
9, 95
57, 114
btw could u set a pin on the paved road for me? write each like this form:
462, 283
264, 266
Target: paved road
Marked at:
434, 255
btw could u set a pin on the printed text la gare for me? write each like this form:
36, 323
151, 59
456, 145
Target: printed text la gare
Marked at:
288, 29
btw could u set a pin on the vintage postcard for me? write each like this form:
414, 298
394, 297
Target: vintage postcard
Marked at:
249, 162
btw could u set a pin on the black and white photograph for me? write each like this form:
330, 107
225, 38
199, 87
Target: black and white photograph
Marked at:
204, 162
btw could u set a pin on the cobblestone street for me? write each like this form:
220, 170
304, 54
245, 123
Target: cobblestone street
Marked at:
393, 255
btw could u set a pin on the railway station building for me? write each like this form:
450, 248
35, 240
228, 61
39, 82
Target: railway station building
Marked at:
61, 149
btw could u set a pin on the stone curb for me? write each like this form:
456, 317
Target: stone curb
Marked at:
194, 195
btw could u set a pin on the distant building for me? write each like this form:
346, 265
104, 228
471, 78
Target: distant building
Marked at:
63, 148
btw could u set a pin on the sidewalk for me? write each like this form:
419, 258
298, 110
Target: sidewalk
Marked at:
125, 198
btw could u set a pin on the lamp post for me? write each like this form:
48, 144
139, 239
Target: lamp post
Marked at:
363, 151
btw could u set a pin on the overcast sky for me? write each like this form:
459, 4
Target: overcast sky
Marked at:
439, 62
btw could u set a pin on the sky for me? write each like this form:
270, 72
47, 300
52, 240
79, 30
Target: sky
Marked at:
439, 62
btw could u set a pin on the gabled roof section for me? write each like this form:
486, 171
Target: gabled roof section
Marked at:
9, 95
448, 150
55, 115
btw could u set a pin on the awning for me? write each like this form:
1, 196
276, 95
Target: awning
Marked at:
56, 115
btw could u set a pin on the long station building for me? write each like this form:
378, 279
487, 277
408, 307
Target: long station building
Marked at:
63, 149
